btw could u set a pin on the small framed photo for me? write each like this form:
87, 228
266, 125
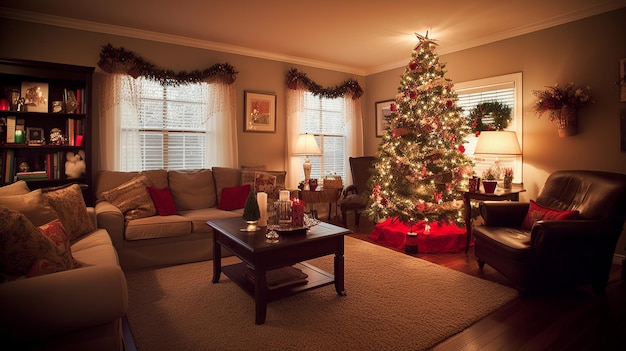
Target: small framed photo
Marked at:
35, 96
259, 112
34, 136
383, 109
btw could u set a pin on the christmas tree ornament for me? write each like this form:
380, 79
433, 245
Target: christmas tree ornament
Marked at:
421, 169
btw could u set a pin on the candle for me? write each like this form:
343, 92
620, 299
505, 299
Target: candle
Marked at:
297, 213
261, 199
19, 136
284, 195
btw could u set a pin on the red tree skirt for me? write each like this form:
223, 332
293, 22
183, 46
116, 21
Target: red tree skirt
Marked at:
442, 238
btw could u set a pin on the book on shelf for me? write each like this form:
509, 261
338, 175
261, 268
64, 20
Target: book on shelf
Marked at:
9, 165
11, 123
281, 277
31, 175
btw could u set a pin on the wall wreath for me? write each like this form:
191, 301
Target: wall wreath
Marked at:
489, 116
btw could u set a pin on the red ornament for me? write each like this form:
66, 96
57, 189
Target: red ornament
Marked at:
413, 65
462, 149
413, 95
393, 107
449, 103
399, 132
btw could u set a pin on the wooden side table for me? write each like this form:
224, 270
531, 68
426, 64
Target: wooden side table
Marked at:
499, 195
328, 196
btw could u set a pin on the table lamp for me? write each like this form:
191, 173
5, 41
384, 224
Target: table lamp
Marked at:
306, 146
498, 143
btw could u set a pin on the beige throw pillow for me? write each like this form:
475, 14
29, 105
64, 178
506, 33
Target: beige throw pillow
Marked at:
32, 205
132, 198
18, 188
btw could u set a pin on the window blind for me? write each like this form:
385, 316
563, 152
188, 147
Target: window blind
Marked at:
169, 133
502, 89
325, 118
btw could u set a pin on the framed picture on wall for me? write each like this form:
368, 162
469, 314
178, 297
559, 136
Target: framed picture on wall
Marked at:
383, 109
259, 112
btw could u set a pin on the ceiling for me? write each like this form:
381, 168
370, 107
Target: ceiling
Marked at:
360, 37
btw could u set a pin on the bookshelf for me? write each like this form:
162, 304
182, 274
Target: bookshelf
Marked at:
45, 117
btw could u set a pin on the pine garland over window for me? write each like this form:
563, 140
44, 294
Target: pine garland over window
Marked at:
297, 79
120, 60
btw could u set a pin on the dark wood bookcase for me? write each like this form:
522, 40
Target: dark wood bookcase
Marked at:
55, 96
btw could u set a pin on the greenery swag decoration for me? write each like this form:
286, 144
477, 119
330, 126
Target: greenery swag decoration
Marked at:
350, 87
120, 60
496, 111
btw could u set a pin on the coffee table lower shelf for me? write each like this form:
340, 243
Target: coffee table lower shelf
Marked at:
316, 278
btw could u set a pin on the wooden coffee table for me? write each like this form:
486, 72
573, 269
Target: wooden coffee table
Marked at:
260, 255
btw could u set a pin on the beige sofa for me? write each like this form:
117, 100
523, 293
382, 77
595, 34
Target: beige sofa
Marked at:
182, 237
74, 309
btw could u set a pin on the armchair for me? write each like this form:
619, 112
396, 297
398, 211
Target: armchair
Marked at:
552, 253
353, 198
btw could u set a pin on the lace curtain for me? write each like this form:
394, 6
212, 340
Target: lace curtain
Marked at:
295, 114
120, 91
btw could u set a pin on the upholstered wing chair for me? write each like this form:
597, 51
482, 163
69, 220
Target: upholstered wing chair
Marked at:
353, 195
535, 253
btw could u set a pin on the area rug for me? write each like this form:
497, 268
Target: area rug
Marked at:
394, 302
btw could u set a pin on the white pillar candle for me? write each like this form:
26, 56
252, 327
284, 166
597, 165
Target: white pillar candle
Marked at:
284, 195
261, 199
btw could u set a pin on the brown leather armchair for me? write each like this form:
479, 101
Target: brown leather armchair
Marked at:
353, 196
556, 253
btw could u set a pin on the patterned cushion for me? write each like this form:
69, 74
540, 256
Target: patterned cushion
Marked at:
264, 182
57, 234
32, 205
132, 198
70, 206
261, 180
18, 188
536, 212
24, 250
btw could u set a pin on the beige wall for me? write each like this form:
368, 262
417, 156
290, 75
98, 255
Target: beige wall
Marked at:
584, 52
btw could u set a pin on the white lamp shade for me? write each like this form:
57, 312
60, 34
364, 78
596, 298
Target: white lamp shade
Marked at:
497, 143
306, 146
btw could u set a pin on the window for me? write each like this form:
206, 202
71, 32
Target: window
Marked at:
169, 132
506, 89
325, 118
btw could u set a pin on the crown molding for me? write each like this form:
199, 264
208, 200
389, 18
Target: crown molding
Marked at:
89, 26
28, 16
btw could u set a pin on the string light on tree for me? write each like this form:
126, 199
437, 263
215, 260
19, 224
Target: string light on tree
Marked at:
421, 169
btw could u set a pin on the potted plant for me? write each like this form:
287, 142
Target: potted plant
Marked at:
490, 180
251, 212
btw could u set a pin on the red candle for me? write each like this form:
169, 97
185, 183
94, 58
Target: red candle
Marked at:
297, 213
4, 105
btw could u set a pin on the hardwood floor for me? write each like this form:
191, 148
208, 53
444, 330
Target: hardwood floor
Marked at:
573, 320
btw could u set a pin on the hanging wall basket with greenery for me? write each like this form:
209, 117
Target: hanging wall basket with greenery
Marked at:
489, 116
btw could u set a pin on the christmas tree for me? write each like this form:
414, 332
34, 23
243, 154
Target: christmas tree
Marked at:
421, 169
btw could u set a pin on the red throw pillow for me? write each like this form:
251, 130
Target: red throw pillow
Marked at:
234, 198
163, 200
536, 212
